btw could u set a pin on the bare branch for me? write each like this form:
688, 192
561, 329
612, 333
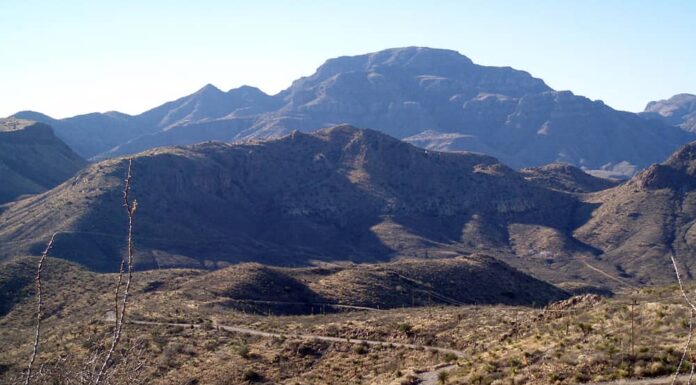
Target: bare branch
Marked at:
120, 315
681, 285
118, 287
39, 310
691, 318
686, 348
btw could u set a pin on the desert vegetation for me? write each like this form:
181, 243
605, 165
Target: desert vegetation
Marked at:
578, 340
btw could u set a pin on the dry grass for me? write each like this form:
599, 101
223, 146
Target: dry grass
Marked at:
586, 341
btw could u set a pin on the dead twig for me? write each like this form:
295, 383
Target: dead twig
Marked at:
39, 310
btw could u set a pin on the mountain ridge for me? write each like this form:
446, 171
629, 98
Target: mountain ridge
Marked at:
340, 194
267, 201
406, 93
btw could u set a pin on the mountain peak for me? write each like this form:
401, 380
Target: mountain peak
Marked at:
677, 173
430, 60
246, 91
208, 88
32, 115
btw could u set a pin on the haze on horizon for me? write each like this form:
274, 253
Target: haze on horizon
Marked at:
74, 57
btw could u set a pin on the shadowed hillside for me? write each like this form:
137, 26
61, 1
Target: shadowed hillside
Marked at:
339, 194
455, 281
32, 159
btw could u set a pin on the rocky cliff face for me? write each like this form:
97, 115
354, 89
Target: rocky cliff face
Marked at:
434, 98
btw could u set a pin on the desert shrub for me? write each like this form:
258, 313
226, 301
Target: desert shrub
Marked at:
515, 362
449, 357
306, 350
251, 375
585, 328
442, 377
404, 327
360, 349
243, 351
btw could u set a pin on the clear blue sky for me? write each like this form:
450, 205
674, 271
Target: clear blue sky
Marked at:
69, 57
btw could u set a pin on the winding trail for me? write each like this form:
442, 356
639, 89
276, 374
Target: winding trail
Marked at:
317, 304
604, 273
426, 378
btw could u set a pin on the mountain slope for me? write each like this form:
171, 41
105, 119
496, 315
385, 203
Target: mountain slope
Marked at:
339, 194
679, 110
32, 160
641, 223
434, 98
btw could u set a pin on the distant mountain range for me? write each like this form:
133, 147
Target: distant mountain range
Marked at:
32, 159
346, 194
434, 98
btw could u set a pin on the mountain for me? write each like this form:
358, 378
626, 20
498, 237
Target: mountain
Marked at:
564, 177
338, 194
679, 110
639, 224
32, 159
434, 98
344, 194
